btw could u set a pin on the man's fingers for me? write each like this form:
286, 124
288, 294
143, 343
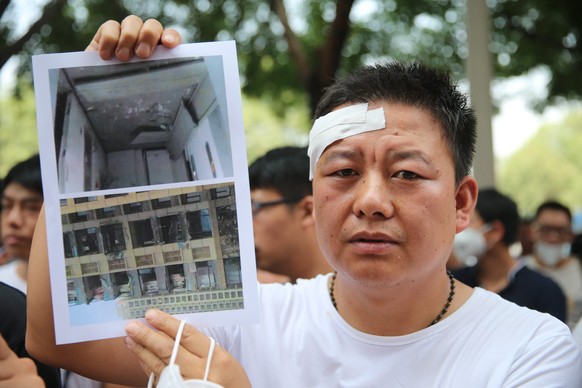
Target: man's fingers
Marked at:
131, 28
132, 37
16, 372
171, 38
105, 40
193, 340
149, 361
149, 37
16, 366
5, 352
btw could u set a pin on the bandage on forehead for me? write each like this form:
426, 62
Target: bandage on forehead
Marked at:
339, 124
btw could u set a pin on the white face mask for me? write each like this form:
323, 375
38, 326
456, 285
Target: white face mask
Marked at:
551, 254
470, 245
171, 376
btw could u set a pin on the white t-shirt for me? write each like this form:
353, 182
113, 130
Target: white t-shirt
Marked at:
577, 334
569, 277
489, 342
9, 275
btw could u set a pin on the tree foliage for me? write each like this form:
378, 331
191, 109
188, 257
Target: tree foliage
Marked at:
290, 50
18, 136
548, 166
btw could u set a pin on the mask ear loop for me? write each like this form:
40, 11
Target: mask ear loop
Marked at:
175, 353
210, 354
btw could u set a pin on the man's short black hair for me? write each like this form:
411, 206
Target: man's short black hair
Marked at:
553, 205
493, 205
419, 86
285, 170
27, 174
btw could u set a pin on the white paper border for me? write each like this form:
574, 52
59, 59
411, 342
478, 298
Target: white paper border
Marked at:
42, 64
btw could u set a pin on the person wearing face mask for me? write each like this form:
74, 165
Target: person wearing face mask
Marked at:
552, 233
484, 248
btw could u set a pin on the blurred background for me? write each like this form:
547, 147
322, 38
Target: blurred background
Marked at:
523, 59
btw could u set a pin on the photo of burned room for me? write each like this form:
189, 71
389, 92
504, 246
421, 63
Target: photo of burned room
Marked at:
139, 124
174, 249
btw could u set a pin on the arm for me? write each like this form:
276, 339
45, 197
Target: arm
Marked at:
17, 372
123, 40
106, 360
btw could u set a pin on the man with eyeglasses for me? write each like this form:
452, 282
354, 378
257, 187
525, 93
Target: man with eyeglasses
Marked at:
493, 228
552, 233
285, 244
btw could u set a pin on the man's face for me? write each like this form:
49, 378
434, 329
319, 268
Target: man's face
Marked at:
553, 227
20, 210
277, 231
386, 205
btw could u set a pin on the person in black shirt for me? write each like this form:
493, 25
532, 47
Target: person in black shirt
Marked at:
492, 230
13, 330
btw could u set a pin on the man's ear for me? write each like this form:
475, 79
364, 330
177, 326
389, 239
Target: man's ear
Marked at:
305, 211
466, 199
497, 231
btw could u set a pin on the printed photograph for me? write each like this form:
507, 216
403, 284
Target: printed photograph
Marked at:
176, 250
147, 193
138, 124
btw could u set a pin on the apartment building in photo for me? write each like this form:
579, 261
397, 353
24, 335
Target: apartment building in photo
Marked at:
174, 249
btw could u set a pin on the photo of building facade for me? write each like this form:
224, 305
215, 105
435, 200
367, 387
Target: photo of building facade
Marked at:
175, 249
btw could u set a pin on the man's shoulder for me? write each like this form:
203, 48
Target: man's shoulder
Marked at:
510, 317
11, 295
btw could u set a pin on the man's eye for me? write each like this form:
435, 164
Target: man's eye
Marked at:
406, 175
32, 208
345, 172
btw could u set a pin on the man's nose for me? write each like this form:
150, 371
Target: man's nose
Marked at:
13, 215
373, 198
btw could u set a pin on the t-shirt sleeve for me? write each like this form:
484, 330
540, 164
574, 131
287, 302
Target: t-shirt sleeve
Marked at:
553, 361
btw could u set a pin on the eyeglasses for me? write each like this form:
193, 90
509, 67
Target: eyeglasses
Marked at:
549, 229
258, 206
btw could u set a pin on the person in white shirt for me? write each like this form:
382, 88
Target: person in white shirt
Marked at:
390, 155
22, 199
552, 234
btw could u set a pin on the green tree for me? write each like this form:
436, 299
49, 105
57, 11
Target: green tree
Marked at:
284, 61
265, 130
548, 166
18, 134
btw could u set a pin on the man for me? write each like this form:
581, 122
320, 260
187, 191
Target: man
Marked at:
493, 229
552, 233
390, 158
283, 226
22, 200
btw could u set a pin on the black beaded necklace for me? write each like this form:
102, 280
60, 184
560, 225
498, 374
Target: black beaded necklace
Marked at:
437, 319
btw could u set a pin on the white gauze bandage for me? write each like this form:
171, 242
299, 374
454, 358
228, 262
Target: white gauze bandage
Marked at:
339, 124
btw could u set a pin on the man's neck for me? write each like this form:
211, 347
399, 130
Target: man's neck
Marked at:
494, 269
398, 309
22, 269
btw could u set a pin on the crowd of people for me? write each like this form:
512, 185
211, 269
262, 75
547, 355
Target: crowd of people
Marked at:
380, 259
